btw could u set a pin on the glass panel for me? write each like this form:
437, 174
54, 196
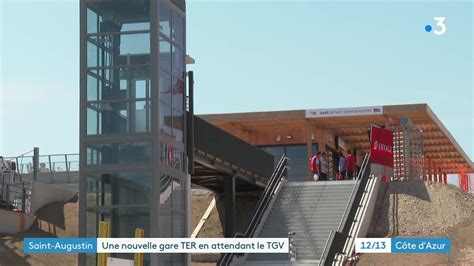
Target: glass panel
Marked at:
165, 231
119, 83
165, 192
166, 157
135, 44
118, 117
178, 93
91, 224
92, 88
165, 119
178, 61
139, 152
124, 220
142, 89
119, 188
171, 157
178, 125
165, 19
178, 29
126, 49
93, 123
178, 225
165, 87
165, 54
179, 192
92, 54
141, 120
118, 15
91, 21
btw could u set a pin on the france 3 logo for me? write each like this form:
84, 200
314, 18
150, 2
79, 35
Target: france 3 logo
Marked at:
440, 26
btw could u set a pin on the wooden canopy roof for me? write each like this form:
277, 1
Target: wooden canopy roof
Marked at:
440, 147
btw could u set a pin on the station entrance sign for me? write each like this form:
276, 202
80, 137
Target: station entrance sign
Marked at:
381, 151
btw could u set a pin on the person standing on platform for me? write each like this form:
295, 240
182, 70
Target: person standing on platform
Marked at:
315, 166
342, 166
350, 165
324, 167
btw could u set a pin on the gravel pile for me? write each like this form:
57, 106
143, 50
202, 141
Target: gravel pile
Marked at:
413, 208
424, 209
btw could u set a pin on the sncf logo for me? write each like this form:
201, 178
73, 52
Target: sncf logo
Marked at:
382, 147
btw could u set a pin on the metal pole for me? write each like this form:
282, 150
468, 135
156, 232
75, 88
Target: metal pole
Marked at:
190, 128
67, 169
50, 169
35, 163
23, 198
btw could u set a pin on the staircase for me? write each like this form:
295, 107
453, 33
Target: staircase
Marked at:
310, 210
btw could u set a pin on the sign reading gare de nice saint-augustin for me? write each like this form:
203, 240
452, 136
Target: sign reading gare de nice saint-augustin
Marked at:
381, 151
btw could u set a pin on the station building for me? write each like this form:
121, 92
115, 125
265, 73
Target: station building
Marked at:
423, 146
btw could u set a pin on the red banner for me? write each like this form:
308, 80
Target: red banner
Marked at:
381, 146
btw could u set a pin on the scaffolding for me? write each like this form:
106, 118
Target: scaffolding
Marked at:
408, 156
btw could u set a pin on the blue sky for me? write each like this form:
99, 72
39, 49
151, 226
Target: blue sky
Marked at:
251, 56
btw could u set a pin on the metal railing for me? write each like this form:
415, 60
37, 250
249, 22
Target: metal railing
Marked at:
53, 168
262, 205
337, 239
15, 197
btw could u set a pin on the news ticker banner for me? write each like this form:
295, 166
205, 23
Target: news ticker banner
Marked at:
156, 245
402, 245
221, 245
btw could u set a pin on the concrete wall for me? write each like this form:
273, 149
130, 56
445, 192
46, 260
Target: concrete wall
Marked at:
14, 222
43, 194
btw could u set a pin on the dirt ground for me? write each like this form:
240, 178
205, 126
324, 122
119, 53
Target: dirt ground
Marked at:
424, 209
54, 220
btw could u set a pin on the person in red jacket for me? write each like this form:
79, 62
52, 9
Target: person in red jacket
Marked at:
350, 165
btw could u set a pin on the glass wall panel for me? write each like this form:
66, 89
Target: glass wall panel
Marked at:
165, 119
178, 225
178, 28
112, 50
119, 188
166, 90
92, 88
102, 16
178, 125
178, 93
118, 117
118, 84
165, 19
92, 21
165, 53
177, 61
166, 189
178, 203
92, 219
112, 153
171, 157
94, 124
92, 55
